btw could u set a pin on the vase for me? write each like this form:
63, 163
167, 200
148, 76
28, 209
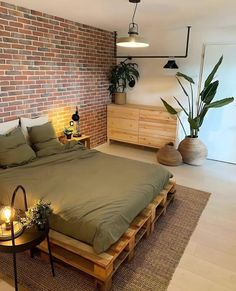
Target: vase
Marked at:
193, 151
120, 98
169, 155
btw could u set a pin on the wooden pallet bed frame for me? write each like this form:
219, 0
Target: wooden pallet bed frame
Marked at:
102, 266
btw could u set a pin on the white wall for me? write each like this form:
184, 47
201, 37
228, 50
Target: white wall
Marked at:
156, 82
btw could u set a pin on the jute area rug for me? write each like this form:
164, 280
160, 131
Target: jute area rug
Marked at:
155, 260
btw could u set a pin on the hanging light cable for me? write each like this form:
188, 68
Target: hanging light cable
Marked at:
133, 40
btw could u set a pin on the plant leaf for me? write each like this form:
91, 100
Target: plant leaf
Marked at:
212, 74
220, 103
194, 122
189, 79
202, 115
209, 92
169, 108
181, 106
185, 92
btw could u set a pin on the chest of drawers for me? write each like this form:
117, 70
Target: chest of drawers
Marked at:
142, 125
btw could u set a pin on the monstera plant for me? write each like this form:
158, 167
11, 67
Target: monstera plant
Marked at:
196, 112
122, 76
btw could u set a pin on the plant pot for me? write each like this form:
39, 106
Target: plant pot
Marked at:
193, 151
68, 136
169, 155
120, 98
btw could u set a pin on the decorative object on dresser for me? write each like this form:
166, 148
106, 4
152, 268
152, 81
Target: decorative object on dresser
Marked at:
193, 151
169, 155
141, 125
122, 76
20, 239
83, 138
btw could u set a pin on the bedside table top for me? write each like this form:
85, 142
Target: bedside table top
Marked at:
30, 238
80, 137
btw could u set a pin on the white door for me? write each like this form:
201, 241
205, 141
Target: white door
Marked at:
219, 128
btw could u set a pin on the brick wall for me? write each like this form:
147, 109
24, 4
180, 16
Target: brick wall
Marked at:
48, 65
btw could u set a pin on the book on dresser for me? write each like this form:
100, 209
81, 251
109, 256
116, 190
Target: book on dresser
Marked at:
144, 125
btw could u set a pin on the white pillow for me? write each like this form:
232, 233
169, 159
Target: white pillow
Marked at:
6, 127
30, 122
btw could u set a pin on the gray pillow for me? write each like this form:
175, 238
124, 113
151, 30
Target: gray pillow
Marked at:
14, 150
43, 137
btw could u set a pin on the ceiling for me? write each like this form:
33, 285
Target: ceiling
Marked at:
151, 14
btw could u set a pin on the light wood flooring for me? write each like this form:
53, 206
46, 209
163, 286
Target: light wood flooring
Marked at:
209, 261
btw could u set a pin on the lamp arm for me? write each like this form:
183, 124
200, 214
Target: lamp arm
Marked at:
12, 220
14, 196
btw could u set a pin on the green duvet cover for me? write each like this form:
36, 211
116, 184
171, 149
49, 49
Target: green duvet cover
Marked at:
95, 196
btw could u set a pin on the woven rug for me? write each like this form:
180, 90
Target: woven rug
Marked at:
151, 269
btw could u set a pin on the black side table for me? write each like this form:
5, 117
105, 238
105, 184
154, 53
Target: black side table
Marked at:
28, 240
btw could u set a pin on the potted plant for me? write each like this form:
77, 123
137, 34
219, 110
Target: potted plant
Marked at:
38, 215
68, 132
193, 151
122, 76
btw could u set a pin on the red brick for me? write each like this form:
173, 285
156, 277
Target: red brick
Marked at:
49, 65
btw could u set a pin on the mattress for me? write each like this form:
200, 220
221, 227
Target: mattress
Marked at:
95, 196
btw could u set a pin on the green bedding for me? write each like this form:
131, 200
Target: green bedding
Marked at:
95, 196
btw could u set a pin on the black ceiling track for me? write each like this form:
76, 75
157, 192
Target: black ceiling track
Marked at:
153, 56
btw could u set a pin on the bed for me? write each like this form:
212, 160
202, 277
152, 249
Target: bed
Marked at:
103, 205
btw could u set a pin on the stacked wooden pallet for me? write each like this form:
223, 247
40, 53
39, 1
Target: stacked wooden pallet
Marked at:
103, 266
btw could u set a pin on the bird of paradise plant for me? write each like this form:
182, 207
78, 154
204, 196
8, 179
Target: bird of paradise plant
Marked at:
196, 112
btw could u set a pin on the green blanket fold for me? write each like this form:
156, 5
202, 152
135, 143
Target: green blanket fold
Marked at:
95, 196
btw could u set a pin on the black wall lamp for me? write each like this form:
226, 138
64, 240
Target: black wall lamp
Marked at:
171, 64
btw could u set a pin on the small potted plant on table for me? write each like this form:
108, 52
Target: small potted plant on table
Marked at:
38, 215
68, 132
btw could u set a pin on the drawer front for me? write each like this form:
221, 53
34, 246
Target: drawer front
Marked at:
122, 112
157, 116
157, 129
156, 142
122, 123
121, 135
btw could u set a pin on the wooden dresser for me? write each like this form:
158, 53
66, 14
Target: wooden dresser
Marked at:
142, 125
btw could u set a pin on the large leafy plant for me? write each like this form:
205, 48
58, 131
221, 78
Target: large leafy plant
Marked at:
196, 112
122, 76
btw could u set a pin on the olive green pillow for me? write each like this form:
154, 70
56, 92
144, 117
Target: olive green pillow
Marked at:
14, 150
43, 137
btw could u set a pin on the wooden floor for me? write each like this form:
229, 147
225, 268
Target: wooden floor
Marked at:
209, 261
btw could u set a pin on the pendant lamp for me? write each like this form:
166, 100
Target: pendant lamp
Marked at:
133, 40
